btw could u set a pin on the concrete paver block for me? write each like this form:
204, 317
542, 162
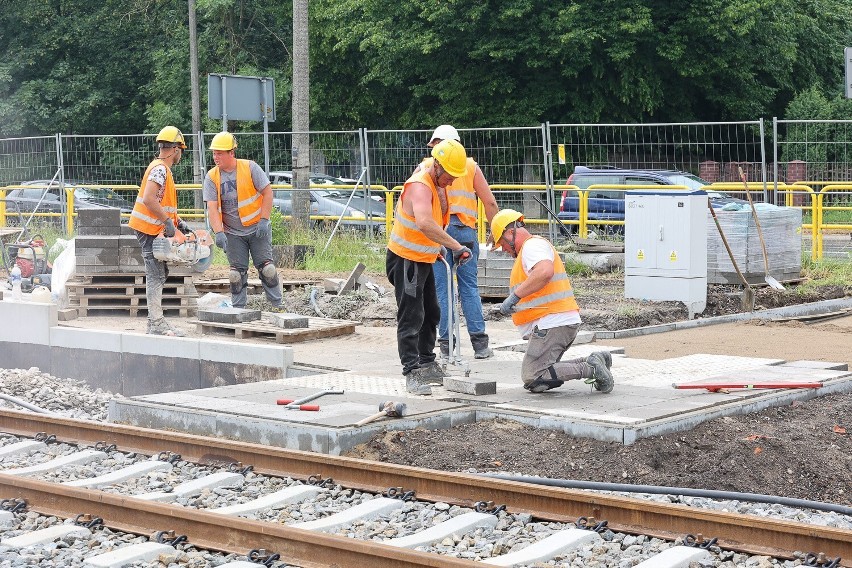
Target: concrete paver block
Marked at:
333, 285
67, 314
228, 315
821, 365
468, 385
289, 321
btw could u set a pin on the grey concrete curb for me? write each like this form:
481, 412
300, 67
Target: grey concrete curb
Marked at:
823, 307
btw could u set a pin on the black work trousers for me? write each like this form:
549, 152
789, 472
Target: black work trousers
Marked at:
417, 313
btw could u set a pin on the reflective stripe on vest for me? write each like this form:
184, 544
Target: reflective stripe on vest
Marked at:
249, 198
555, 297
461, 195
141, 218
406, 240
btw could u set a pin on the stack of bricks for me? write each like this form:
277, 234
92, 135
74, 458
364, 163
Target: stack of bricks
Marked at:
105, 246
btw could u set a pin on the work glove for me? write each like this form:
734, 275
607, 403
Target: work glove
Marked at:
169, 228
183, 226
221, 241
263, 229
508, 305
462, 256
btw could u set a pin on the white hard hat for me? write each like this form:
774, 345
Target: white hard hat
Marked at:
444, 132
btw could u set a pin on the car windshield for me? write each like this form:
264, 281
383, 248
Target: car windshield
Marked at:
689, 180
96, 193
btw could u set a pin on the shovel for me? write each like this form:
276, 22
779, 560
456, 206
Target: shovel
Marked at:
769, 279
748, 293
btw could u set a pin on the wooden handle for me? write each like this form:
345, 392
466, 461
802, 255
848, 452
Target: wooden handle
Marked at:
369, 419
756, 223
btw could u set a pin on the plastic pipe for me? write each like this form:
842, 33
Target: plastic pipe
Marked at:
25, 404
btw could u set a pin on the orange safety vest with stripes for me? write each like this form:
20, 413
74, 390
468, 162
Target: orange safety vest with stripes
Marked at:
555, 297
461, 195
406, 240
249, 199
141, 218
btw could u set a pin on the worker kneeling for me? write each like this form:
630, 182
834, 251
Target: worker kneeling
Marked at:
542, 305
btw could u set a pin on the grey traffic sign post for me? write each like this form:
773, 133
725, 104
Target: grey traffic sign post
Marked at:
847, 60
239, 97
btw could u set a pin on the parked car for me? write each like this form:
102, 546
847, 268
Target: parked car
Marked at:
286, 177
333, 203
48, 197
608, 205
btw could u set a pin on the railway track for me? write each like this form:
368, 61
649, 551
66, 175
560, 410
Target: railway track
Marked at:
317, 510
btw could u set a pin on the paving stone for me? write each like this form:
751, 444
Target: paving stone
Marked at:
333, 285
229, 315
467, 385
67, 314
96, 242
822, 365
289, 321
100, 217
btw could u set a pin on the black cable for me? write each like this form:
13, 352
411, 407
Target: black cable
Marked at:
687, 492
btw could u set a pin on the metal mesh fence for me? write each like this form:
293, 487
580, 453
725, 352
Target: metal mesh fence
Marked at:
814, 150
710, 150
27, 159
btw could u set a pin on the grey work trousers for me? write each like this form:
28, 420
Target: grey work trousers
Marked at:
545, 349
156, 273
239, 248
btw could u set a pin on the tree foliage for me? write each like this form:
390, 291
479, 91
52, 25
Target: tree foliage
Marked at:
112, 66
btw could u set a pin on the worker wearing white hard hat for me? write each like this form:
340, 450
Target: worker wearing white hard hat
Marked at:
463, 197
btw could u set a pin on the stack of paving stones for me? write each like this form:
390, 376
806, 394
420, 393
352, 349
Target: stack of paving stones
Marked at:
110, 272
781, 227
492, 273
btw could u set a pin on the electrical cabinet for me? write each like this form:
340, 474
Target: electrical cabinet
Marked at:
665, 247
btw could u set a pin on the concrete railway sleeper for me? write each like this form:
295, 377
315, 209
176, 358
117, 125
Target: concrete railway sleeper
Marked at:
435, 533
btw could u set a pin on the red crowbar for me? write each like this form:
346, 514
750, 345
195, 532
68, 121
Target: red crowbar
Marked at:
715, 388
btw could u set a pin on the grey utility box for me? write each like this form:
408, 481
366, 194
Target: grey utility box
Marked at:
665, 247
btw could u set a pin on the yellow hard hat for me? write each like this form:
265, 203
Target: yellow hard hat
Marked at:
171, 135
451, 155
503, 218
223, 141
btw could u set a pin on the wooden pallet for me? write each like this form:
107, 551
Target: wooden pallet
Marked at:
103, 294
318, 328
222, 286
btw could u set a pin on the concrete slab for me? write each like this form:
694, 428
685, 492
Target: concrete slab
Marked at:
288, 321
643, 403
228, 315
817, 365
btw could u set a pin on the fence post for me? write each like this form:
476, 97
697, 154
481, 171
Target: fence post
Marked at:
775, 157
763, 164
547, 157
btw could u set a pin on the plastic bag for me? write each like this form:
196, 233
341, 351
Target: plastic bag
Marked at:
57, 248
63, 268
211, 300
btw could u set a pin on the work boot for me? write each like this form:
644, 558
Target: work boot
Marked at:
601, 377
541, 385
433, 373
416, 383
160, 326
607, 357
444, 344
480, 346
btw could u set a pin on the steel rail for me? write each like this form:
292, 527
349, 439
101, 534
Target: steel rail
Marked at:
219, 532
746, 533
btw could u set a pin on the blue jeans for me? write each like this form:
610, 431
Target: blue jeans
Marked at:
471, 304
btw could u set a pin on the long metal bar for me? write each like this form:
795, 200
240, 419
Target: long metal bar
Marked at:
754, 534
217, 532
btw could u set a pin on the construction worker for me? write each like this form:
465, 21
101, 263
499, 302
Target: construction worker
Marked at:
414, 244
155, 214
462, 196
239, 202
542, 305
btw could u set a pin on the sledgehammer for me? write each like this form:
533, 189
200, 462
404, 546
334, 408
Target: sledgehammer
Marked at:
388, 408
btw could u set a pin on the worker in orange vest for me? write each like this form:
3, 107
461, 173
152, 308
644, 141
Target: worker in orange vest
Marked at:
463, 196
542, 305
414, 243
155, 213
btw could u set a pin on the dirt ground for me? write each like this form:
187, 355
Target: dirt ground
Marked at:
803, 450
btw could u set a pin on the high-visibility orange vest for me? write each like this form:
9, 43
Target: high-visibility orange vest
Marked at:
249, 199
461, 195
406, 240
555, 297
141, 218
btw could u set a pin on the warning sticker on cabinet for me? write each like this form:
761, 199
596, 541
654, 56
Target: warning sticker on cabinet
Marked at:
640, 254
673, 256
